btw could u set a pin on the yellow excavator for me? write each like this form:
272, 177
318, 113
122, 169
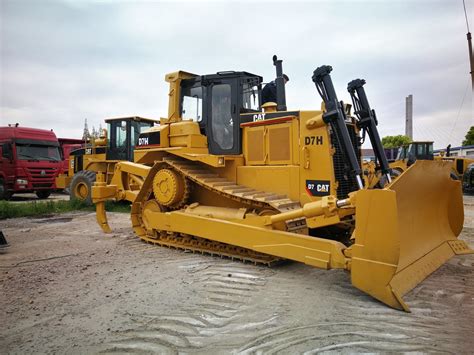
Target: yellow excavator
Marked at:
224, 175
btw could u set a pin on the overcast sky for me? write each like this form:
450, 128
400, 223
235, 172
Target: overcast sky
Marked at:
64, 61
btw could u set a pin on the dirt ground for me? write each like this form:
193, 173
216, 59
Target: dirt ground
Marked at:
67, 288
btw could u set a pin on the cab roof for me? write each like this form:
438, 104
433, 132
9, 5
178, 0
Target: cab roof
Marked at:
132, 118
19, 132
230, 74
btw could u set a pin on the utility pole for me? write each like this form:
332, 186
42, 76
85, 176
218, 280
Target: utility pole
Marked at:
469, 45
471, 58
409, 116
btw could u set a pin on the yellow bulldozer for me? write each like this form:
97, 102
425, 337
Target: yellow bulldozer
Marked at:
423, 150
406, 156
225, 175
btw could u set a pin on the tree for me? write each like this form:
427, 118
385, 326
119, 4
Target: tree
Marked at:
469, 137
94, 133
395, 141
86, 135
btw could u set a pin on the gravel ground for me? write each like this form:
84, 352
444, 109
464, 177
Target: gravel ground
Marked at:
68, 288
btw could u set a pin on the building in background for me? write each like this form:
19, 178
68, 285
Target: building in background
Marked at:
465, 151
368, 154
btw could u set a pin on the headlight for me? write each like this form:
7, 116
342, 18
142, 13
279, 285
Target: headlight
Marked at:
21, 182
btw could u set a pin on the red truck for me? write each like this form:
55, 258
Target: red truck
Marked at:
66, 146
30, 161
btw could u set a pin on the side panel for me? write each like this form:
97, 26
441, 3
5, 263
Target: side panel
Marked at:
254, 145
317, 171
279, 144
272, 141
186, 134
279, 179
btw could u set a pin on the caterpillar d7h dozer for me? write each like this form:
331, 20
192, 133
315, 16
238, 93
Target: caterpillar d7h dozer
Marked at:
222, 177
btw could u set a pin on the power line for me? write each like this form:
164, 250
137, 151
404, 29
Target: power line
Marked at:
459, 112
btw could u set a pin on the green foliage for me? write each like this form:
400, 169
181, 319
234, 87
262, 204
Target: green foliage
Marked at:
469, 137
119, 206
395, 141
10, 209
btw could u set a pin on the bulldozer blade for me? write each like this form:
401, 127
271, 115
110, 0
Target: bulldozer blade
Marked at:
101, 216
406, 231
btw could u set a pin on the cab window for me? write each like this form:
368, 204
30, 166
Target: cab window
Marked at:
250, 98
117, 133
121, 134
191, 104
137, 128
421, 149
222, 125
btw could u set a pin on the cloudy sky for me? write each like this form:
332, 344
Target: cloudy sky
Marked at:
64, 61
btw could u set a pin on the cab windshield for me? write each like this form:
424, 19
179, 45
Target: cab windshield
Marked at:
37, 152
402, 152
250, 97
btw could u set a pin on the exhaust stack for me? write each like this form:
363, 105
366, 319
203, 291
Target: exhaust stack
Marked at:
280, 84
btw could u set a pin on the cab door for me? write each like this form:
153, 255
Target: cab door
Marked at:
119, 140
223, 125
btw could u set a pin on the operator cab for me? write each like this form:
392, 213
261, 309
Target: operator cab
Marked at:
415, 151
216, 102
122, 136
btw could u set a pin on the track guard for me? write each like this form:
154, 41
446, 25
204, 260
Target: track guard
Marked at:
406, 231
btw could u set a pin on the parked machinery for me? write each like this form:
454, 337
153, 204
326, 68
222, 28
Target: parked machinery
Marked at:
221, 176
423, 150
116, 143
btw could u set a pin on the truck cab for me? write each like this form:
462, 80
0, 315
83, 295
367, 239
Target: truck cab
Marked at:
30, 161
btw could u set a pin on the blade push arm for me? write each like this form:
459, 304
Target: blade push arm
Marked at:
368, 122
336, 117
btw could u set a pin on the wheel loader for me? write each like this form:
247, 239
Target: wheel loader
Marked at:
115, 144
223, 175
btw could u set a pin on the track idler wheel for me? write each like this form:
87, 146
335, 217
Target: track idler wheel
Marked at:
153, 206
171, 189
